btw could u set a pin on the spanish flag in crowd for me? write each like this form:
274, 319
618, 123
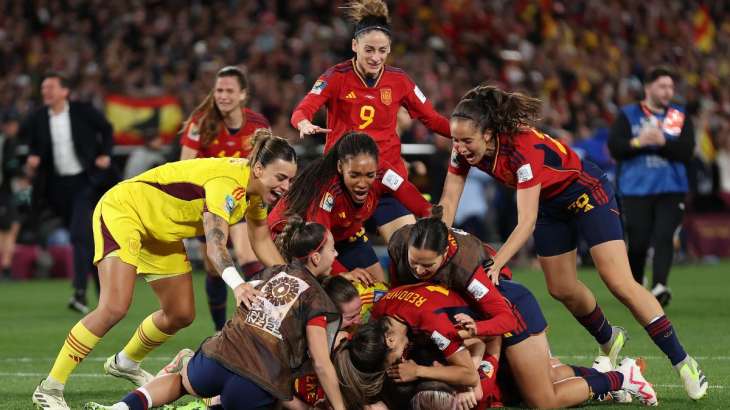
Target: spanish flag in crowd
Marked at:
704, 30
132, 118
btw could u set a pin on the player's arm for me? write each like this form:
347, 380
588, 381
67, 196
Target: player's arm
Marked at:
321, 92
319, 352
420, 108
190, 141
453, 188
491, 304
459, 370
406, 193
528, 201
188, 153
216, 236
261, 243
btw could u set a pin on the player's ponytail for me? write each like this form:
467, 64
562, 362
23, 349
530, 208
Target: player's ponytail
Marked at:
430, 233
207, 115
299, 239
308, 187
267, 148
360, 364
496, 110
368, 15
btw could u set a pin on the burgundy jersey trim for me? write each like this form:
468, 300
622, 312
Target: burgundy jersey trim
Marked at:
108, 241
180, 190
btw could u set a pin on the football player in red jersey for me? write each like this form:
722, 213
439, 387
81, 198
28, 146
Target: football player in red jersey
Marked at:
221, 126
340, 191
558, 197
364, 94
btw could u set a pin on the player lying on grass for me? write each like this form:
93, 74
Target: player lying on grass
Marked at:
341, 190
139, 226
559, 198
253, 361
453, 259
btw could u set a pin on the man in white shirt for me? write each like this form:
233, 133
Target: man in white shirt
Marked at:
70, 145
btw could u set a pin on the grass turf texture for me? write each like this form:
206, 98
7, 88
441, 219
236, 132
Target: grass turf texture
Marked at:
34, 322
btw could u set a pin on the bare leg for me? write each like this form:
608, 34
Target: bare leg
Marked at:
529, 361
116, 279
561, 276
176, 301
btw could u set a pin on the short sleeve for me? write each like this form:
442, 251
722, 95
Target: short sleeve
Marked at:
529, 161
457, 164
225, 197
256, 209
443, 333
191, 136
319, 321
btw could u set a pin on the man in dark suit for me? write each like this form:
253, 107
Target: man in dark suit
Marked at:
70, 145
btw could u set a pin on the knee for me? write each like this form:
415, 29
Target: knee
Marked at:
112, 313
624, 291
561, 292
181, 318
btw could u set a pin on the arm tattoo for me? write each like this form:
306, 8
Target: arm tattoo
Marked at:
216, 237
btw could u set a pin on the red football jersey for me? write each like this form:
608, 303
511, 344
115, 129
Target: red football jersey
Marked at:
337, 211
353, 105
236, 145
424, 307
526, 159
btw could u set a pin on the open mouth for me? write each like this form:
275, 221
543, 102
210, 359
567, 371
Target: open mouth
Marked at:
274, 196
359, 195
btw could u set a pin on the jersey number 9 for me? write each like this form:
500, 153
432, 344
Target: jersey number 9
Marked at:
367, 115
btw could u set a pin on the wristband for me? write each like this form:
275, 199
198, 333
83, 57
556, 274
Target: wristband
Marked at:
635, 143
232, 278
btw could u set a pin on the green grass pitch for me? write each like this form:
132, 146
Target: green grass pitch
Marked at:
35, 322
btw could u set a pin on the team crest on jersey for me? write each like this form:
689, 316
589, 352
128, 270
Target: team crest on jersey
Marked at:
280, 293
230, 204
442, 342
386, 95
318, 86
392, 180
327, 202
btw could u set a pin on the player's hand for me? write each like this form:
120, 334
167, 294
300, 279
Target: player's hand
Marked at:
466, 400
359, 275
403, 372
245, 293
103, 161
466, 324
307, 128
493, 273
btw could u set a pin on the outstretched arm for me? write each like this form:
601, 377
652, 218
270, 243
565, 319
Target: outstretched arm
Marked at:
453, 188
319, 352
263, 246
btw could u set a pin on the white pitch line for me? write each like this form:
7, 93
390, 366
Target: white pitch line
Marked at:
582, 357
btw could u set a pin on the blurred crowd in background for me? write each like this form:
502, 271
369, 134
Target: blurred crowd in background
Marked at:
584, 59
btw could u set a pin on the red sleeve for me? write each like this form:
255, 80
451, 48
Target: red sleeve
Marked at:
457, 164
491, 304
530, 161
445, 336
191, 136
421, 109
322, 90
319, 321
322, 212
276, 219
405, 192
338, 268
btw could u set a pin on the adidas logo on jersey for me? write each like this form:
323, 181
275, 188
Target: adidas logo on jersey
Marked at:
350, 96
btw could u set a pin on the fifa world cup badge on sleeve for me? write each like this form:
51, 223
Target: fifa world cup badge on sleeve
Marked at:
477, 289
392, 180
524, 173
318, 86
328, 202
441, 341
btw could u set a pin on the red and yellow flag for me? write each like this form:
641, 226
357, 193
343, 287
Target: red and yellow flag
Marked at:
704, 30
133, 117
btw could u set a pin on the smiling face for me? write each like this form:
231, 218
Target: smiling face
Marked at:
371, 50
424, 263
358, 174
228, 94
469, 142
273, 180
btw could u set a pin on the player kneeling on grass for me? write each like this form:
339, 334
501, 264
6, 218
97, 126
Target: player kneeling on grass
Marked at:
254, 360
139, 226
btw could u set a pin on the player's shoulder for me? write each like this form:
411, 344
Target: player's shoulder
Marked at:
256, 118
338, 70
391, 70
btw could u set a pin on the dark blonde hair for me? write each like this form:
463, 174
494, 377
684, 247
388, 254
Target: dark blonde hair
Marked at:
267, 148
500, 111
207, 115
368, 15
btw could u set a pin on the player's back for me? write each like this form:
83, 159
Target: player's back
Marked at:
419, 304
